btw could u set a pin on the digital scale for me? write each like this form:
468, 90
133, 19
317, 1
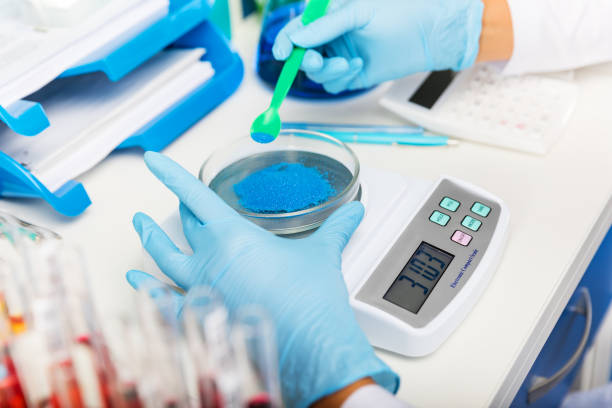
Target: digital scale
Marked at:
420, 259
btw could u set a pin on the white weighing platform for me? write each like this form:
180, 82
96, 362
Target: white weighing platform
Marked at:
561, 207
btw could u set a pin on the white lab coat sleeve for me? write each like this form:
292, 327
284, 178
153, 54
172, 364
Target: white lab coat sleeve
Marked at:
555, 35
373, 396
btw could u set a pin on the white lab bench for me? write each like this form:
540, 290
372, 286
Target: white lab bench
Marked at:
561, 207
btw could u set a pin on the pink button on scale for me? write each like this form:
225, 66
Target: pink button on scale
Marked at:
461, 238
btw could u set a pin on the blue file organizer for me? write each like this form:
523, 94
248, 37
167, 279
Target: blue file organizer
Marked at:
29, 119
25, 117
186, 26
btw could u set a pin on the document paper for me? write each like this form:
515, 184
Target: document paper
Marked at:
30, 58
91, 115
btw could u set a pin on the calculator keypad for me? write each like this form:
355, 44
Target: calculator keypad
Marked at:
522, 112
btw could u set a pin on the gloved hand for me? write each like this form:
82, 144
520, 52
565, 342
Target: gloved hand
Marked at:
361, 43
299, 282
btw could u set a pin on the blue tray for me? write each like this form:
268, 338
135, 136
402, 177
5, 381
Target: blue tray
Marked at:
29, 119
72, 199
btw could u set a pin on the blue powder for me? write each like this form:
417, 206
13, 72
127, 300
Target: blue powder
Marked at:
284, 187
262, 137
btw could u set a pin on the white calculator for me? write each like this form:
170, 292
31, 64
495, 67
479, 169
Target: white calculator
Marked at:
526, 113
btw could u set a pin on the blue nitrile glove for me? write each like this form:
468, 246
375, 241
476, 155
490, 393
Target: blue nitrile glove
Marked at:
299, 282
361, 43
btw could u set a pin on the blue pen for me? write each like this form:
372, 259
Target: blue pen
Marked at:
375, 134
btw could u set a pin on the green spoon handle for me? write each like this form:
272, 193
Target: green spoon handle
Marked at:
315, 9
287, 76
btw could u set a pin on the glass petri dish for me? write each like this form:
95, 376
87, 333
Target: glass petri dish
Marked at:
336, 161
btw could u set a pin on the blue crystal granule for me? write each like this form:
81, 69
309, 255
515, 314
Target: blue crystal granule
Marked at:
284, 188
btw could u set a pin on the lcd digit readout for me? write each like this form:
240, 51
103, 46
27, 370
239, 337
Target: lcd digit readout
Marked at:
417, 280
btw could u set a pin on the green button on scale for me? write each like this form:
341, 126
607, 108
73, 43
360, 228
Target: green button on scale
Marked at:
439, 218
471, 223
449, 204
480, 209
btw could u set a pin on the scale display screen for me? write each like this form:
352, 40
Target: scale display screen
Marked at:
419, 277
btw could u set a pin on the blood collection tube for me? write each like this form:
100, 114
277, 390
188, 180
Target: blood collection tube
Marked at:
160, 328
129, 397
14, 306
123, 347
253, 339
107, 380
64, 385
95, 374
11, 270
11, 392
88, 372
29, 353
59, 367
206, 331
58, 357
50, 320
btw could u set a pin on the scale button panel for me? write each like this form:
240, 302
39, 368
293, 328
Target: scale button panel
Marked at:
439, 218
480, 209
461, 238
449, 204
471, 223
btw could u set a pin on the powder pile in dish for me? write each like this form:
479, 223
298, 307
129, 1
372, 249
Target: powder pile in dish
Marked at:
284, 188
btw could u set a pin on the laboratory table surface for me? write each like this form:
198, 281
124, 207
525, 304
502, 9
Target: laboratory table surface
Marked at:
560, 210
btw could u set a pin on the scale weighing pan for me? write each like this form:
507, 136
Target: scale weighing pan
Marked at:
334, 161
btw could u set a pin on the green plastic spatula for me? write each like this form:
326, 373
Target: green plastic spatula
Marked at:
267, 126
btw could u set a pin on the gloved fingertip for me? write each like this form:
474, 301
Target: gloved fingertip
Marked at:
341, 225
333, 87
141, 219
155, 162
339, 65
299, 37
314, 34
313, 61
152, 157
351, 215
333, 25
357, 84
282, 48
356, 64
336, 86
137, 221
354, 209
160, 165
134, 278
280, 51
307, 37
